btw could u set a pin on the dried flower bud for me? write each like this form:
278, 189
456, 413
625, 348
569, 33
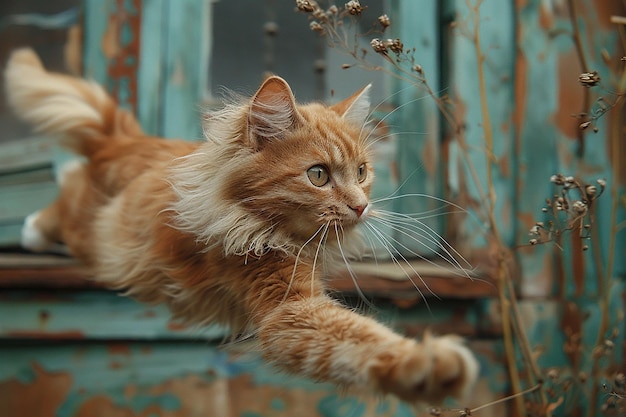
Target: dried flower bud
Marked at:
435, 411
333, 10
417, 68
378, 45
533, 241
585, 247
589, 79
319, 14
384, 21
601, 182
271, 28
306, 6
557, 179
584, 125
316, 27
354, 7
395, 45
591, 190
534, 231
579, 207
553, 373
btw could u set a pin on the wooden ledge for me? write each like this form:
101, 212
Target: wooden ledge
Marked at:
382, 279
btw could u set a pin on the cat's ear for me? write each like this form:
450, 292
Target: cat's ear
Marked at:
355, 108
272, 111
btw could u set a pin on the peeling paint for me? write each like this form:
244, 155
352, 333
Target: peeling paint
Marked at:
570, 95
42, 396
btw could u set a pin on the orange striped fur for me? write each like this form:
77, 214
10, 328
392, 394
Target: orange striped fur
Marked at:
239, 230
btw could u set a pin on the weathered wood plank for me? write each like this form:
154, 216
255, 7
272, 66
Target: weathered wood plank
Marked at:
27, 154
496, 55
152, 54
167, 379
45, 315
416, 123
385, 279
20, 200
185, 68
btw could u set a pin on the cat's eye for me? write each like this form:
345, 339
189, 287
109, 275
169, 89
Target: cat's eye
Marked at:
318, 175
362, 173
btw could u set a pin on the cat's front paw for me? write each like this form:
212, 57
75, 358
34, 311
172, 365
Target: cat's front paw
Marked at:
429, 371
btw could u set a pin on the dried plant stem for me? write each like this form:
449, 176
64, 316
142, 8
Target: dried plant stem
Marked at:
510, 397
509, 348
502, 272
605, 276
507, 296
584, 68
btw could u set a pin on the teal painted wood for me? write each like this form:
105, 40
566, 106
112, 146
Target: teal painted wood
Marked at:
26, 177
549, 144
131, 360
172, 62
186, 67
151, 75
548, 148
26, 153
26, 183
497, 49
416, 123
25, 199
10, 234
19, 200
167, 379
95, 63
98, 315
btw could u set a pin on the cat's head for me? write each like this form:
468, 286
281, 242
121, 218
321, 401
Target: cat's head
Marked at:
290, 172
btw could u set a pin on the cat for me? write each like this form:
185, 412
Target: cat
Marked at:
241, 229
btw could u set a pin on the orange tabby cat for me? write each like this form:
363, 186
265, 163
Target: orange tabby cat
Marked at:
238, 230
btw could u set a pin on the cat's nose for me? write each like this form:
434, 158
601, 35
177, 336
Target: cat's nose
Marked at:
359, 210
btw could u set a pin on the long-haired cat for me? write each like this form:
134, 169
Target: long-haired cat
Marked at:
239, 230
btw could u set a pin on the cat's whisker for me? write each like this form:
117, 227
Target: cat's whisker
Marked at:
417, 195
350, 270
409, 221
412, 223
317, 252
422, 234
373, 110
372, 142
386, 244
382, 120
297, 260
369, 119
423, 215
371, 244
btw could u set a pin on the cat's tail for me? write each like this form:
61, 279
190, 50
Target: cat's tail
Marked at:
57, 104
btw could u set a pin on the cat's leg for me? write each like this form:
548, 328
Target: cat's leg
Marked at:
322, 340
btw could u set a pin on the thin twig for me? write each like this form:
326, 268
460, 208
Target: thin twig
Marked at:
584, 68
510, 397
